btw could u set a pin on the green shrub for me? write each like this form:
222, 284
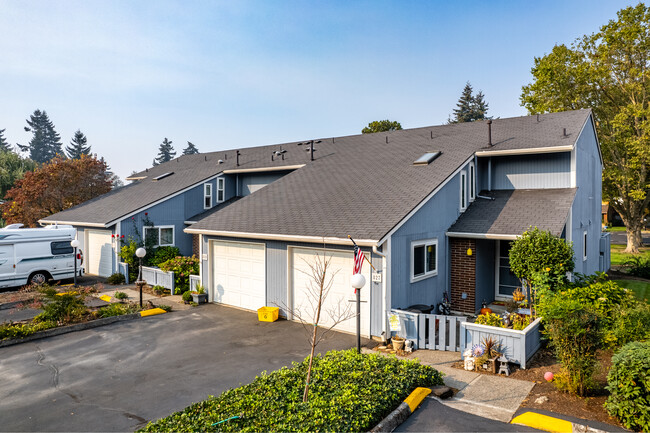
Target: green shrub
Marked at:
182, 267
9, 331
628, 383
638, 266
520, 322
187, 296
116, 278
165, 307
158, 290
163, 254
490, 320
62, 307
199, 289
575, 333
632, 324
607, 299
120, 295
348, 393
117, 310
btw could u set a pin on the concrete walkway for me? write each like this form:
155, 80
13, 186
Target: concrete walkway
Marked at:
175, 301
493, 397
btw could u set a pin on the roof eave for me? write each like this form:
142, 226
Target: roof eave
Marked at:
283, 237
72, 223
505, 152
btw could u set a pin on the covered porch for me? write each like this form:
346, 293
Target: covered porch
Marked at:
480, 241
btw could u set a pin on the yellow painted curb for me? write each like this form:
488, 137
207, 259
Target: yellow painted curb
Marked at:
67, 293
105, 298
543, 422
152, 312
416, 397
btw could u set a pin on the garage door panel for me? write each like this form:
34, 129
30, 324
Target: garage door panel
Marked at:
239, 274
337, 301
99, 253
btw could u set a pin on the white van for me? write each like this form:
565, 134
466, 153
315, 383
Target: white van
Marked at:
37, 255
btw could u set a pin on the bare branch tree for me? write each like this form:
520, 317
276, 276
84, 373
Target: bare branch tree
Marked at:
321, 279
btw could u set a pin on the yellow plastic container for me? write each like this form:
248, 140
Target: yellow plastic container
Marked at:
268, 314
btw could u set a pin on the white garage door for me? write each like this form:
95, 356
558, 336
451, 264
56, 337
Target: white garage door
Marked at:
99, 254
238, 274
341, 292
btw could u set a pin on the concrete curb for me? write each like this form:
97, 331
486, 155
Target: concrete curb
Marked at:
552, 424
403, 411
70, 328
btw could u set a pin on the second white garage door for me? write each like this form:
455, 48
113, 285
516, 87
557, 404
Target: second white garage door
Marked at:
341, 266
99, 254
238, 274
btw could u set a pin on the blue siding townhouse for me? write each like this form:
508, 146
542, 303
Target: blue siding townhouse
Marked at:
433, 208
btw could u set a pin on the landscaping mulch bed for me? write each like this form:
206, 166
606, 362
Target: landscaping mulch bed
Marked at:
554, 400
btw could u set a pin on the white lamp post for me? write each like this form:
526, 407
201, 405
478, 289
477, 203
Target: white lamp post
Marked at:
75, 244
358, 281
140, 253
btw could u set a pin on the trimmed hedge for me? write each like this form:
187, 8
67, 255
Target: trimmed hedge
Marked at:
628, 383
349, 392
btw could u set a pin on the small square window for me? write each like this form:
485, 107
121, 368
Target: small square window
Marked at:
167, 236
424, 259
159, 236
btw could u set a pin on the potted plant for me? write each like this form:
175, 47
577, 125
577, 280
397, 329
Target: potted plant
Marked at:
398, 342
198, 295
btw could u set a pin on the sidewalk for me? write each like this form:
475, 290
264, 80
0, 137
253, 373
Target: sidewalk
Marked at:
175, 301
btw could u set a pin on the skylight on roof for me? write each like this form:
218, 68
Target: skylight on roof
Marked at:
162, 176
426, 158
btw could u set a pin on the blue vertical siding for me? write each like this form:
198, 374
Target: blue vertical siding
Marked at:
249, 183
548, 170
431, 221
586, 211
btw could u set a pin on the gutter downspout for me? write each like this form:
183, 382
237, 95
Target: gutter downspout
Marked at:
385, 286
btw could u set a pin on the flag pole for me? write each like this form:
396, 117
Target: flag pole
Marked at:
364, 256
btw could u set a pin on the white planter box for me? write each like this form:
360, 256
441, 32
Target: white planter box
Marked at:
519, 346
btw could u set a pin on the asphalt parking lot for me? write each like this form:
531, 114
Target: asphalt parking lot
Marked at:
119, 377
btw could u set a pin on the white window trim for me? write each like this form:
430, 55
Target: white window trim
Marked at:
425, 243
144, 237
584, 245
206, 194
221, 186
472, 181
463, 194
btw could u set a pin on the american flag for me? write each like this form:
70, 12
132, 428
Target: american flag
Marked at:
358, 260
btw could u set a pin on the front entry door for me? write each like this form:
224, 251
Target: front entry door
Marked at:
506, 281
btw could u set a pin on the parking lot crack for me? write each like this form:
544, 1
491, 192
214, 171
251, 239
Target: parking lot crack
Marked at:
53, 368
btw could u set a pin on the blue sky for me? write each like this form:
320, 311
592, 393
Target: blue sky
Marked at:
233, 74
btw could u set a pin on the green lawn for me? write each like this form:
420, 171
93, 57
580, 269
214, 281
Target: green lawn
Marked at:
619, 257
615, 229
640, 288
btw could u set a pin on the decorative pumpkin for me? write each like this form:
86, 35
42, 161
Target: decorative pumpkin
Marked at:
485, 309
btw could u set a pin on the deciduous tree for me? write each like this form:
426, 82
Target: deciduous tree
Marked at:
46, 142
12, 168
56, 186
609, 72
78, 146
165, 152
381, 126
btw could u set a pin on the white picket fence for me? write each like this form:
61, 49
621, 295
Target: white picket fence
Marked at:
431, 331
156, 277
194, 281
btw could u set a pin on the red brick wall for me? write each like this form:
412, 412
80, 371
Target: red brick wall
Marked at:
195, 246
463, 275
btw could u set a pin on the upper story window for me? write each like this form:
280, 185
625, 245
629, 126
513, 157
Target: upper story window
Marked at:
207, 195
221, 189
424, 259
472, 181
463, 190
159, 235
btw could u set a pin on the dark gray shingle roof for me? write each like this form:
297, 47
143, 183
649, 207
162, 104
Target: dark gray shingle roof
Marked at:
513, 212
361, 185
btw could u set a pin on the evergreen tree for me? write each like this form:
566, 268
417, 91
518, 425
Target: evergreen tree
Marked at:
190, 149
469, 107
4, 146
78, 146
165, 152
46, 142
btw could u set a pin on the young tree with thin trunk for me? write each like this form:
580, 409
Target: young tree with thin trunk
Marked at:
312, 316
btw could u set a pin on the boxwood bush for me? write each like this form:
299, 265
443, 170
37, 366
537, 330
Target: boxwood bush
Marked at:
349, 392
628, 383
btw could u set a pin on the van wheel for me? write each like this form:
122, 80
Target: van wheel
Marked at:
38, 277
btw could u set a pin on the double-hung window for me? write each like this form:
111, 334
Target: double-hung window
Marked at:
463, 190
207, 195
472, 182
221, 188
159, 235
424, 259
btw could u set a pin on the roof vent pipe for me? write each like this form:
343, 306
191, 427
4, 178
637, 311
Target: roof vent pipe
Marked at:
238, 158
564, 132
489, 123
